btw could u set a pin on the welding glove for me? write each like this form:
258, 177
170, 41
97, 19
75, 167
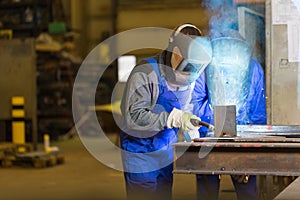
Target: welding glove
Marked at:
180, 119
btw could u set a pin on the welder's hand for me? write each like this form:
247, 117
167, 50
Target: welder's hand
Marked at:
180, 119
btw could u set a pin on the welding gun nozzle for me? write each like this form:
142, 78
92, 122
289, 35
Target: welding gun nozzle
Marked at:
197, 122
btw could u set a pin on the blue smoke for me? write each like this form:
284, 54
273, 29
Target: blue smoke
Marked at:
217, 4
224, 19
224, 16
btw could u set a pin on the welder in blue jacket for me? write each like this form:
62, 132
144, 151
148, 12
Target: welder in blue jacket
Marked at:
250, 102
155, 106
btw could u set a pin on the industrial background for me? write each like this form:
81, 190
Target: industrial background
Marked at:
42, 46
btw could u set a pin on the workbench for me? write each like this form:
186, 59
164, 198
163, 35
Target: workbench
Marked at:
257, 150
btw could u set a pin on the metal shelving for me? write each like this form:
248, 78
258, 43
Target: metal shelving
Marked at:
26, 18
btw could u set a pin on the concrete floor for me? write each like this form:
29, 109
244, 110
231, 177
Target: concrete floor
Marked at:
84, 177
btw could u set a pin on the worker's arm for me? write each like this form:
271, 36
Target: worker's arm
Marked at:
201, 106
139, 100
257, 96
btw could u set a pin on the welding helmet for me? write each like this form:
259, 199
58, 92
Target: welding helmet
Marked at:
196, 54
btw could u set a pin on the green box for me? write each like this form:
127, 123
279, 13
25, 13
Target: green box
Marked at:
57, 28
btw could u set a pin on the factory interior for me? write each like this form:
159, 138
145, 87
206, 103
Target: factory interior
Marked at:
64, 67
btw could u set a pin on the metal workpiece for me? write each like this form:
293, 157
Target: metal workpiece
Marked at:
268, 130
258, 131
225, 121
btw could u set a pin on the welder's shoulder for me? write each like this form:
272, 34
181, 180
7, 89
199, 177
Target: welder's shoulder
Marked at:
143, 67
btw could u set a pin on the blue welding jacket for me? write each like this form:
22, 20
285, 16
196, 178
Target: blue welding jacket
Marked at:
255, 104
143, 155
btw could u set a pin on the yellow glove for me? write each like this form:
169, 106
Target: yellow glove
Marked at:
180, 119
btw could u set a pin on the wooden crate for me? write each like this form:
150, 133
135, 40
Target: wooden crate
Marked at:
39, 159
9, 150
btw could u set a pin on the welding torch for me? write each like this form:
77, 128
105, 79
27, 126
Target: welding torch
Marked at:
197, 122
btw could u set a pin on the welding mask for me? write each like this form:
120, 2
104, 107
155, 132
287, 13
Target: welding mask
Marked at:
197, 54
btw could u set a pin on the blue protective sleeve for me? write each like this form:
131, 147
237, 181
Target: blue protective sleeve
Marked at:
201, 106
257, 96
